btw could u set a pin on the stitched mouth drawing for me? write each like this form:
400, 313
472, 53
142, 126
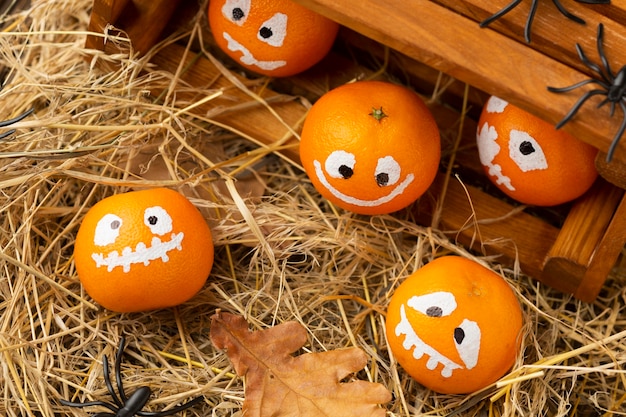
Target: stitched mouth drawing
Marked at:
248, 58
466, 335
142, 254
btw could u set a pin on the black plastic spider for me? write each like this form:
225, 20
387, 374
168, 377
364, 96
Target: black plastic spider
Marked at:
613, 87
127, 406
533, 10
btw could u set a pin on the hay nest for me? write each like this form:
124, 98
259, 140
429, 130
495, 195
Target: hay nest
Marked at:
281, 253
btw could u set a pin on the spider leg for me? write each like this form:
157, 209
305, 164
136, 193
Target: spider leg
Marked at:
567, 14
7, 133
16, 119
89, 404
618, 135
579, 84
171, 411
529, 20
602, 54
577, 106
107, 380
612, 110
11, 121
499, 14
118, 373
591, 65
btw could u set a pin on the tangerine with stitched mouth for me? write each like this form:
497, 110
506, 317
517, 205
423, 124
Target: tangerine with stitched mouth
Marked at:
143, 250
371, 147
454, 325
529, 159
277, 38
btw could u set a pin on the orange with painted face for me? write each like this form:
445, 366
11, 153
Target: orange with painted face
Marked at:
271, 37
529, 159
371, 147
143, 250
454, 325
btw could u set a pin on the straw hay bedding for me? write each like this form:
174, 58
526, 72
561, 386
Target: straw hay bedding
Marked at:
280, 255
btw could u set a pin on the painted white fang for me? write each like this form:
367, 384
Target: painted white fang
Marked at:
412, 340
141, 255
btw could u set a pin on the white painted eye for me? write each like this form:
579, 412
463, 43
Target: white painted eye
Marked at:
157, 219
436, 304
340, 164
467, 342
387, 171
107, 230
526, 152
274, 30
236, 11
496, 105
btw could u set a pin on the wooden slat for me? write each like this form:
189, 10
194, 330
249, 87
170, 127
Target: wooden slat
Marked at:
607, 251
586, 226
141, 20
553, 34
484, 58
246, 115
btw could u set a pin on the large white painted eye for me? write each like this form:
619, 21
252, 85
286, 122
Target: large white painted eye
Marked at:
107, 230
436, 304
340, 164
526, 152
157, 219
387, 171
467, 342
274, 30
236, 11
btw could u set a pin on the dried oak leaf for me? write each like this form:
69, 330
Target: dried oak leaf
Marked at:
279, 384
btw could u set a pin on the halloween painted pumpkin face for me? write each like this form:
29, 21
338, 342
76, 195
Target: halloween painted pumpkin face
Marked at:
529, 160
454, 325
271, 37
370, 147
143, 250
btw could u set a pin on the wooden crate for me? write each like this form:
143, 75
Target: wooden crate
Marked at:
431, 38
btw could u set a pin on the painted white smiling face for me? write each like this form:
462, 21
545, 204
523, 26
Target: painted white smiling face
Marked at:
157, 220
386, 175
277, 38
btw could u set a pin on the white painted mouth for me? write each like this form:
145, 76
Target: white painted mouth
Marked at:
399, 189
141, 255
420, 348
487, 151
247, 57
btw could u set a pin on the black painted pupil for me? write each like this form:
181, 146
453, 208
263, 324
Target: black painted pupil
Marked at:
237, 14
265, 32
459, 335
526, 148
153, 220
382, 179
434, 311
346, 171
115, 224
